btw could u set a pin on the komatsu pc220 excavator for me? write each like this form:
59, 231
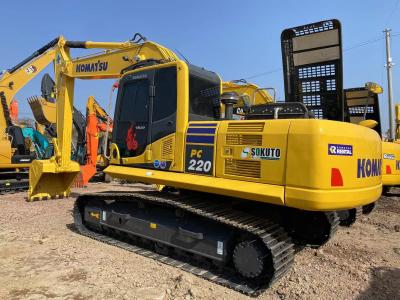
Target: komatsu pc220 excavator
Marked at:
244, 190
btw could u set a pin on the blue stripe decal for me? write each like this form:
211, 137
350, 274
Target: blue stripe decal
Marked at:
201, 139
203, 125
202, 130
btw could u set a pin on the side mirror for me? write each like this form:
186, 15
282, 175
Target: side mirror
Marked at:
368, 123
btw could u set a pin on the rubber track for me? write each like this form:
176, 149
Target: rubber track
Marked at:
271, 234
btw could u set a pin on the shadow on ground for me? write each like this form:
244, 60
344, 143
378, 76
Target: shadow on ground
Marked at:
385, 284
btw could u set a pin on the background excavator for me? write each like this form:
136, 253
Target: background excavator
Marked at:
363, 106
34, 136
98, 127
244, 190
15, 155
313, 74
250, 95
91, 144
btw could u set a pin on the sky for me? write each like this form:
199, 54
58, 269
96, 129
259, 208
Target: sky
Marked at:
236, 39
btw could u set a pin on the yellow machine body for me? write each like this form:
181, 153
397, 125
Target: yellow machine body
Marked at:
391, 156
301, 177
390, 163
6, 153
302, 163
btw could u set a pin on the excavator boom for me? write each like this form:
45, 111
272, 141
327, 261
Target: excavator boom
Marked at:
53, 178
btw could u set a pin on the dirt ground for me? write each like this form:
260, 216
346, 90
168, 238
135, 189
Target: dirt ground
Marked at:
42, 257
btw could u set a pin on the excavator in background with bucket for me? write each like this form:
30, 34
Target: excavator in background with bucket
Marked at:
15, 155
91, 146
244, 191
363, 106
98, 128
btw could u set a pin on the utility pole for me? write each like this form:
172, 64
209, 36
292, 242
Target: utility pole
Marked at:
389, 65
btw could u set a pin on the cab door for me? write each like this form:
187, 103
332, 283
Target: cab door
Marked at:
132, 131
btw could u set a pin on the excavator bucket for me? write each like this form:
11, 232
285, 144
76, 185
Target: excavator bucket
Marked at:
86, 173
47, 180
79, 181
43, 111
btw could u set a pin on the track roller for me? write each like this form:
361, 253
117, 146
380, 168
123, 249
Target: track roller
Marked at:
249, 258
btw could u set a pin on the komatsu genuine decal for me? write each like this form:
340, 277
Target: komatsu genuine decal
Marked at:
261, 153
389, 156
368, 167
339, 149
92, 67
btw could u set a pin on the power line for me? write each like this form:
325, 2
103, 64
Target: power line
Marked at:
361, 44
263, 74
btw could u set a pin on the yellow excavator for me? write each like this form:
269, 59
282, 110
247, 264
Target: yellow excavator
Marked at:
249, 94
15, 156
363, 106
244, 190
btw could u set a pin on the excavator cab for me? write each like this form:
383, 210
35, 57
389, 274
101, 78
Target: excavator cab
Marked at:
22, 154
146, 108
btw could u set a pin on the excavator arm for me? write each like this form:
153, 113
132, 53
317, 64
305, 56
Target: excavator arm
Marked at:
17, 77
54, 177
96, 122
